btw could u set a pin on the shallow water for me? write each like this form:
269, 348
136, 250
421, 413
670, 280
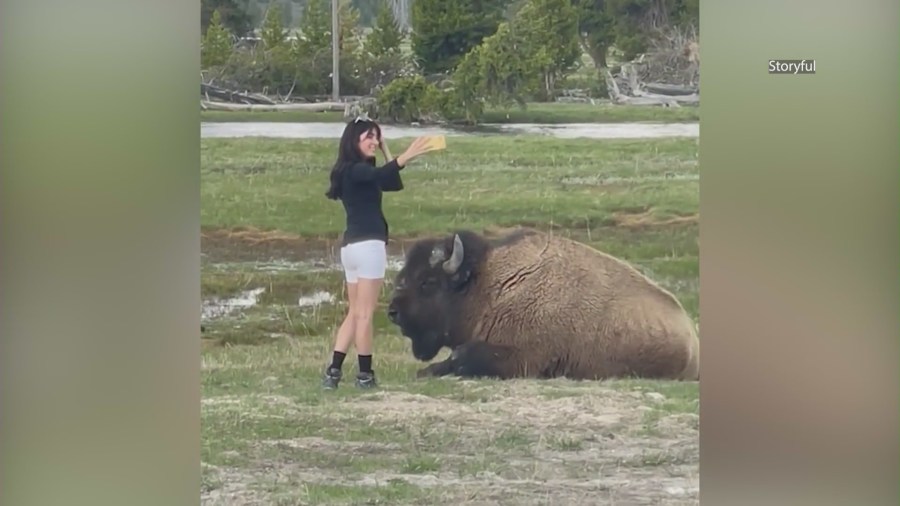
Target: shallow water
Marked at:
215, 308
315, 299
319, 264
218, 307
561, 131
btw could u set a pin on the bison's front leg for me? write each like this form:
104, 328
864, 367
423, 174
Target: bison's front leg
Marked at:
478, 359
436, 369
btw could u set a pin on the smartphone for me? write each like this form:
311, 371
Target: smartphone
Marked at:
436, 142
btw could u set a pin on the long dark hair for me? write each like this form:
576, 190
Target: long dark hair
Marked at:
348, 153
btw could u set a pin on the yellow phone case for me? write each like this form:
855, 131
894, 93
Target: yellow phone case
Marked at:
437, 142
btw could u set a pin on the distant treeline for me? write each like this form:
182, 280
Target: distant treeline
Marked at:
458, 56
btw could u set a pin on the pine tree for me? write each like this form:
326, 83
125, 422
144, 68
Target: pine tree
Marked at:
216, 47
272, 31
316, 28
445, 30
386, 36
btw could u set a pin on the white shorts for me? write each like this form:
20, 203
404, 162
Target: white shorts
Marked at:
364, 259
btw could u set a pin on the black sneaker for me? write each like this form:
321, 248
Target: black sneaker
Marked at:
331, 378
366, 380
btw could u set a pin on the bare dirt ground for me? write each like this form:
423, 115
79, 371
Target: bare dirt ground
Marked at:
516, 442
249, 243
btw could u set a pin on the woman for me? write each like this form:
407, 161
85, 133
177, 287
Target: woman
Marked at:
357, 182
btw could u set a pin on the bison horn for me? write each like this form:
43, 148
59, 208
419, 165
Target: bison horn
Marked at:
456, 257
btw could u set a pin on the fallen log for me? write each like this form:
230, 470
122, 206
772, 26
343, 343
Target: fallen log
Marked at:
233, 96
618, 97
662, 102
314, 107
670, 89
641, 97
693, 99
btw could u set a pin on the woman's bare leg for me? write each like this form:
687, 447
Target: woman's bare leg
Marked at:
342, 339
346, 332
366, 302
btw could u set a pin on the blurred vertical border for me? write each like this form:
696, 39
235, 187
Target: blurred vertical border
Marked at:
798, 272
100, 252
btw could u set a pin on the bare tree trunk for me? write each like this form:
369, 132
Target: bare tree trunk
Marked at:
597, 53
400, 9
599, 57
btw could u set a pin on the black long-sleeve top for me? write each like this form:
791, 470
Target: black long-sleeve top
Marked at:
361, 191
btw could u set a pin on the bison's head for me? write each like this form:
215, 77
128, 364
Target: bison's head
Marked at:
429, 290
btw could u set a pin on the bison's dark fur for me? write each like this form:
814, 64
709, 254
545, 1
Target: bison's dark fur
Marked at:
537, 305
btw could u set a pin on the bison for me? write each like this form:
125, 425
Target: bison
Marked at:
531, 304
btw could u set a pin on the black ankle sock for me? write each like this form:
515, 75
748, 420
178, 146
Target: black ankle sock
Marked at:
365, 363
338, 360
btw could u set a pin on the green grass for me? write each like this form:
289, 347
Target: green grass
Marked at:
477, 182
271, 435
553, 113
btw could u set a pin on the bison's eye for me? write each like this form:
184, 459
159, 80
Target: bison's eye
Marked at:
428, 285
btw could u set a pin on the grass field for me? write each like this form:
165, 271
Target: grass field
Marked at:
551, 113
271, 436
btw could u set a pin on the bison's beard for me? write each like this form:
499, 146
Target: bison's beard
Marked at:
425, 349
426, 340
425, 346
